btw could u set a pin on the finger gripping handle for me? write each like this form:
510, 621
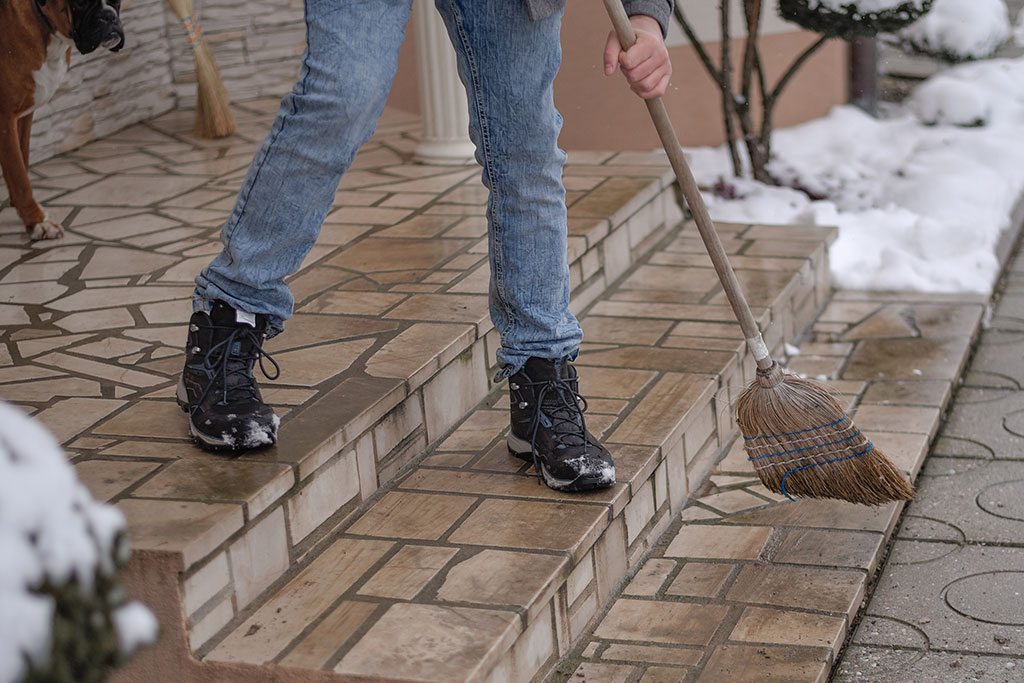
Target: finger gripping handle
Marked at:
620, 21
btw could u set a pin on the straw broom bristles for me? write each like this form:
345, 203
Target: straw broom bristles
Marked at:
213, 115
802, 443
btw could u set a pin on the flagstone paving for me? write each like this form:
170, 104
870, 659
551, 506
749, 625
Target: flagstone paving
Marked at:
747, 586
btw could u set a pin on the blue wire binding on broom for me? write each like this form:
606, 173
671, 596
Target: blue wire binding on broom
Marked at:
809, 429
817, 464
805, 448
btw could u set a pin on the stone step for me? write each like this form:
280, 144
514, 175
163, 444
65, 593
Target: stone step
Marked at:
466, 568
388, 350
413, 374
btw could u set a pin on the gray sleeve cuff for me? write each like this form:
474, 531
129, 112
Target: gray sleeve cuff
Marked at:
659, 10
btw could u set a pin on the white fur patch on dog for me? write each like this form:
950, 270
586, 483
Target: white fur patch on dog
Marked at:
50, 75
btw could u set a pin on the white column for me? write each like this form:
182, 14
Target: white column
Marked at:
443, 106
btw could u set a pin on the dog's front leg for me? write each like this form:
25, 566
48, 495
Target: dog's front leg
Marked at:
14, 164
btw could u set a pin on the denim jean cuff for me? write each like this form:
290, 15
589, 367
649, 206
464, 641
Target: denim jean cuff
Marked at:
509, 369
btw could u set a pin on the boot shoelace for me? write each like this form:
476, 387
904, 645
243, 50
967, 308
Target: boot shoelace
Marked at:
224, 363
564, 408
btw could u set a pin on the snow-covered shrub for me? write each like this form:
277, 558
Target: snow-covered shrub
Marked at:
63, 614
976, 94
951, 102
959, 30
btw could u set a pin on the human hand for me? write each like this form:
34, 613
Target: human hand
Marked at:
646, 65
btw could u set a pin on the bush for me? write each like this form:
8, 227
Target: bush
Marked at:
64, 617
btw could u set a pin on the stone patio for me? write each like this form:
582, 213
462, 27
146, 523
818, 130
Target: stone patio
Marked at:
389, 534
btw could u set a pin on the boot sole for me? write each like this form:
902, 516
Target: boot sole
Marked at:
585, 482
205, 441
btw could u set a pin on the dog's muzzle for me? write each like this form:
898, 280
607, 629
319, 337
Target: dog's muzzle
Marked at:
96, 23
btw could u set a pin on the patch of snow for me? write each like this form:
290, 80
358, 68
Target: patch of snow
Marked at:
961, 29
255, 435
919, 207
951, 102
136, 626
50, 528
25, 630
791, 350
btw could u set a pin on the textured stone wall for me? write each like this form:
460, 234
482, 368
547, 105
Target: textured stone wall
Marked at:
257, 45
105, 91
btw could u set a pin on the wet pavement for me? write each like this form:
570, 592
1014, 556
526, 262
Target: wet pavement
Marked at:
743, 589
949, 605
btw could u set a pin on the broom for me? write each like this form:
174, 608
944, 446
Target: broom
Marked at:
800, 440
213, 117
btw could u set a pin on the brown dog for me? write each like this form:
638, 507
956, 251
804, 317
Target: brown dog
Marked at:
36, 37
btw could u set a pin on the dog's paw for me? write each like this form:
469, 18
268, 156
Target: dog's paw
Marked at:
46, 230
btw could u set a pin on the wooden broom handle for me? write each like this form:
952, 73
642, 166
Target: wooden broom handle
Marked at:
705, 226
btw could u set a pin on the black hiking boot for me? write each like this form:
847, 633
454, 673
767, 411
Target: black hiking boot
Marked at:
548, 428
217, 388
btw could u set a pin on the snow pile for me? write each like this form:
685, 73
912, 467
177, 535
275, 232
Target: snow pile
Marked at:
958, 30
919, 206
52, 533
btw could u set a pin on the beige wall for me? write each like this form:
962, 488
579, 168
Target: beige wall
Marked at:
258, 43
601, 113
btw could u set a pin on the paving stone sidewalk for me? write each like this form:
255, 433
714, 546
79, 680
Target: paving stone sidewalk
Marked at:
950, 603
743, 589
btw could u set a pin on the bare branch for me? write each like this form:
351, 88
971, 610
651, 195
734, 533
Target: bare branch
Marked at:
797, 63
716, 75
728, 100
753, 17
754, 139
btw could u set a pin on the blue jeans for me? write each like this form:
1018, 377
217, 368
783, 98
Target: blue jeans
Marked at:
508, 65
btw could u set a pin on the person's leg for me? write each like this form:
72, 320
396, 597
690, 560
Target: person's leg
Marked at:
508, 64
241, 298
347, 70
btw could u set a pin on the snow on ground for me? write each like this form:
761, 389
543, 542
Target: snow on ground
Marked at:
50, 527
920, 202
